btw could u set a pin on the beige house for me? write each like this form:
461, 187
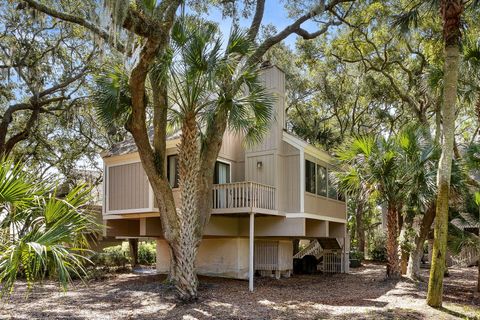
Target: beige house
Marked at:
263, 198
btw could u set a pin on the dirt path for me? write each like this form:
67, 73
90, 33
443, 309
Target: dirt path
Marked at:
363, 294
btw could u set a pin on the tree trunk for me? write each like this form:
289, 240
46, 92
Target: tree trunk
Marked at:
133, 246
406, 240
478, 278
451, 11
393, 265
360, 230
186, 247
413, 268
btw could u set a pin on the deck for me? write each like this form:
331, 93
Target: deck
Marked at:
244, 197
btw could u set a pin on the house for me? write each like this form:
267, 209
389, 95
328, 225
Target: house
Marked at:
263, 198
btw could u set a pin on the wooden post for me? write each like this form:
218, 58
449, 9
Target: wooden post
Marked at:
251, 271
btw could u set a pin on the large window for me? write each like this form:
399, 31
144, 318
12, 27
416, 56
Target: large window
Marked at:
321, 180
332, 190
310, 176
221, 174
317, 181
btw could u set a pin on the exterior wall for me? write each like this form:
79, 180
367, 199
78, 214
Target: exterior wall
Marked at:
317, 228
216, 257
232, 227
265, 174
127, 187
274, 80
324, 206
289, 187
274, 227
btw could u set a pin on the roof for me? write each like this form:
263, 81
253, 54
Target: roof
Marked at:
309, 148
128, 145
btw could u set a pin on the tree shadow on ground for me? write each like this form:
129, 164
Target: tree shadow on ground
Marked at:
365, 294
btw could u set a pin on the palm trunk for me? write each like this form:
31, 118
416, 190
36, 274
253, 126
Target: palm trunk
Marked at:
451, 11
393, 265
413, 268
186, 247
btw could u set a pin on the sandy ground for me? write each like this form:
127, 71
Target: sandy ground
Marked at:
363, 294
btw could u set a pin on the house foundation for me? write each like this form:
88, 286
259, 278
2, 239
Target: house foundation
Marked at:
220, 257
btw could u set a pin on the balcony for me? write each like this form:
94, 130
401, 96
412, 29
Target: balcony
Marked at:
244, 197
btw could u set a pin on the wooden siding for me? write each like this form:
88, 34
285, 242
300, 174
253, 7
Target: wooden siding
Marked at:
128, 187
232, 147
324, 206
289, 186
265, 174
274, 80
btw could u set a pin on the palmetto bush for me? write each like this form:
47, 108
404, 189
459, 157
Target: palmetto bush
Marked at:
41, 234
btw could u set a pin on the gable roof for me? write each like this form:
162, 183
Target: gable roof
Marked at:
128, 145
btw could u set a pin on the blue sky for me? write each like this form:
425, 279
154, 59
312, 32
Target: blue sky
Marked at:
275, 14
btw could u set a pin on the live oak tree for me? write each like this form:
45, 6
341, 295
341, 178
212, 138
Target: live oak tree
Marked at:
150, 24
46, 116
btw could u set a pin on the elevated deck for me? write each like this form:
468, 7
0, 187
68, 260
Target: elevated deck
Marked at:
244, 197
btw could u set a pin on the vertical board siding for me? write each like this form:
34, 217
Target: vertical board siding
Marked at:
128, 187
265, 174
290, 181
274, 80
232, 147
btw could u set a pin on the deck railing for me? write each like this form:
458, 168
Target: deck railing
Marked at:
244, 195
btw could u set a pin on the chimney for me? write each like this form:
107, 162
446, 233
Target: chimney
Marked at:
274, 79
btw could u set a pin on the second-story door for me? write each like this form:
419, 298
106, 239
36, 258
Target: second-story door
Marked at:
222, 176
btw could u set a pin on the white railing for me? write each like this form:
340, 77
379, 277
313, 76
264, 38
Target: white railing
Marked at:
313, 249
243, 195
467, 257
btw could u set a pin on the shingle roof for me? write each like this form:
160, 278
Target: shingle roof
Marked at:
128, 145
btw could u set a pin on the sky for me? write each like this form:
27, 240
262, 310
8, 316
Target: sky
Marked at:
275, 14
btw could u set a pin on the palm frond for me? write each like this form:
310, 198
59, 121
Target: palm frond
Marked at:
112, 100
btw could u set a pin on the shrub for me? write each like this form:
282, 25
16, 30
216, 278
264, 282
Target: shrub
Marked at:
357, 255
377, 248
147, 252
114, 256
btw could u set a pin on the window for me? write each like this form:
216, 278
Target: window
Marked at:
332, 190
222, 173
317, 181
172, 171
321, 180
309, 176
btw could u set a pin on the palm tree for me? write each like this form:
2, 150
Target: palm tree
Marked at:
419, 157
374, 162
40, 234
451, 12
204, 82
400, 170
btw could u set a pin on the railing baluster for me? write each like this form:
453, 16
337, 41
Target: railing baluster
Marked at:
246, 194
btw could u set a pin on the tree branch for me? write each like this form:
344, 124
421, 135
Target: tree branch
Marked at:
308, 36
74, 19
257, 20
292, 28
